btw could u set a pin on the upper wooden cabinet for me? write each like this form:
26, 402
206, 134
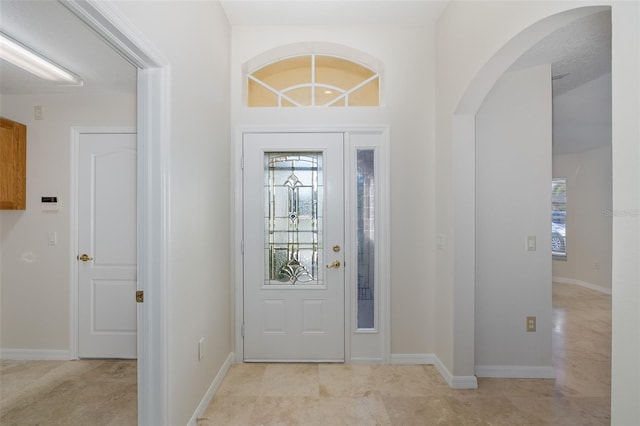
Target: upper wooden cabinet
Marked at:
13, 165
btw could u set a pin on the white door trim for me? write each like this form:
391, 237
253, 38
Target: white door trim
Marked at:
73, 226
153, 125
384, 240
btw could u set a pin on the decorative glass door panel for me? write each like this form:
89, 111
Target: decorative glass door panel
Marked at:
293, 185
293, 231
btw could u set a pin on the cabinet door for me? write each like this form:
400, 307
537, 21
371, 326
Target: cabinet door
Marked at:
13, 165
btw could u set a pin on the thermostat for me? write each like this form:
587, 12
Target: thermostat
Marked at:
49, 204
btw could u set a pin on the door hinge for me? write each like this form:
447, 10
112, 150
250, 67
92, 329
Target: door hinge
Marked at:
242, 330
242, 246
139, 296
242, 163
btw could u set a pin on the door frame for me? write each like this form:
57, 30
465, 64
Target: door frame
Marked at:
74, 301
383, 249
153, 150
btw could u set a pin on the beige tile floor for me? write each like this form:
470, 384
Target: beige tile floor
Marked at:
68, 393
338, 394
101, 392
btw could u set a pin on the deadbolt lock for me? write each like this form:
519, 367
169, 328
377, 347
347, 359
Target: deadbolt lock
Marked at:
336, 248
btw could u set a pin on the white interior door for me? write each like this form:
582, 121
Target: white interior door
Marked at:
293, 230
107, 326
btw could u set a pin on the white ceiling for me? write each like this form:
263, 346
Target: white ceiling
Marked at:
581, 50
332, 12
52, 30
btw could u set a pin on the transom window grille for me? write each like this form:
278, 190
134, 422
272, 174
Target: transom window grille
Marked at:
293, 188
313, 80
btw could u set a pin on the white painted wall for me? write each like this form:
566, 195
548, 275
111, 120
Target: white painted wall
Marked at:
194, 36
476, 43
406, 53
35, 276
513, 175
589, 217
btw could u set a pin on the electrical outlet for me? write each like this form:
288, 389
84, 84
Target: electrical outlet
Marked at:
531, 323
200, 349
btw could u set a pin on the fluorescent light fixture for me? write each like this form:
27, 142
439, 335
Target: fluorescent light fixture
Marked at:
30, 61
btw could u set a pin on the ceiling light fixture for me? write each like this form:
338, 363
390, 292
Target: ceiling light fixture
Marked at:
30, 61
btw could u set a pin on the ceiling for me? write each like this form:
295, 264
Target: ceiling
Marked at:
332, 12
53, 31
579, 52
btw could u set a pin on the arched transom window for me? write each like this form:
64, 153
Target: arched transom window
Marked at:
313, 80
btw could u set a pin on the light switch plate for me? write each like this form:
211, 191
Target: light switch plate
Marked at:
531, 243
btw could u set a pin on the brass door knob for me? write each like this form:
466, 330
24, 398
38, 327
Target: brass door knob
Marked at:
334, 265
85, 257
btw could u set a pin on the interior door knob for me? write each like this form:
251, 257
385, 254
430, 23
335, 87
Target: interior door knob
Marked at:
85, 257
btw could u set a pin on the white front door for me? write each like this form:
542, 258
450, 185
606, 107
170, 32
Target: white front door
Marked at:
293, 231
107, 326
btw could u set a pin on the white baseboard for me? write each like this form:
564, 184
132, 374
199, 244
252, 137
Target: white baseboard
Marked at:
36, 354
584, 284
412, 359
208, 396
455, 382
366, 361
515, 372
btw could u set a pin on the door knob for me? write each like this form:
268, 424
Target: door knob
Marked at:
334, 265
85, 257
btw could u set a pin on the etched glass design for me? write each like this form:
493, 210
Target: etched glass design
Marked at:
365, 192
293, 186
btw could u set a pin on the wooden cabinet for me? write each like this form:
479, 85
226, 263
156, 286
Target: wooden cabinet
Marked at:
13, 165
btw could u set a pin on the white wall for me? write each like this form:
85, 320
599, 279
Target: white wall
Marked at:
194, 36
476, 43
407, 56
589, 218
35, 276
513, 175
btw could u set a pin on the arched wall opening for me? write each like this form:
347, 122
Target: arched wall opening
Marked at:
463, 186
456, 345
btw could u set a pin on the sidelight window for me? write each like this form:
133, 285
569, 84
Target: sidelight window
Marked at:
559, 218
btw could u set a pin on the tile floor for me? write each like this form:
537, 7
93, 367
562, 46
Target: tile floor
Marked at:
101, 392
338, 394
68, 393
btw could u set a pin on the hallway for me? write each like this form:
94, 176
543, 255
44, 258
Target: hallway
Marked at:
102, 392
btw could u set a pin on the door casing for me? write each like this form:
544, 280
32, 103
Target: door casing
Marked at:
355, 340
